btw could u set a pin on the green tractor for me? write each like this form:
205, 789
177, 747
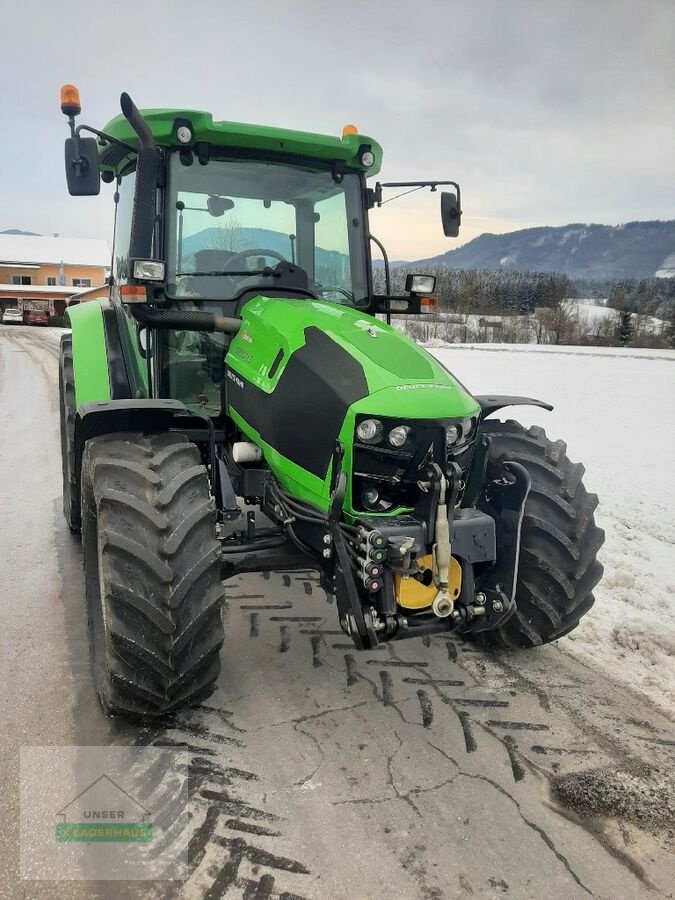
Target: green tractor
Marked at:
234, 404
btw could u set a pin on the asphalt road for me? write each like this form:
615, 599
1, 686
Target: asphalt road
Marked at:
423, 770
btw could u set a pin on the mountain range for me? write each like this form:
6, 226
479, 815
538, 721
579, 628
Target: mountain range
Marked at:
633, 250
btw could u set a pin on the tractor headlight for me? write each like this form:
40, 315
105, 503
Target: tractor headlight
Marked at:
399, 435
451, 435
468, 428
369, 431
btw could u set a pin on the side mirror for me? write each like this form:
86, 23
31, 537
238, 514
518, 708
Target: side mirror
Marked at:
82, 167
451, 214
218, 206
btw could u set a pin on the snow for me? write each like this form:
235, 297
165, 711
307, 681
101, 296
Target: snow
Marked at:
18, 289
557, 350
589, 313
667, 268
585, 315
611, 408
21, 248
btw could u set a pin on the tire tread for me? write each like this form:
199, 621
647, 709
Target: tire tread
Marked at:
150, 522
559, 540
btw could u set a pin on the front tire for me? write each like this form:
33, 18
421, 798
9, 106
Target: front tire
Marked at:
152, 570
559, 538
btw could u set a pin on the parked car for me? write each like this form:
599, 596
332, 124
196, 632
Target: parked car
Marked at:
12, 317
36, 317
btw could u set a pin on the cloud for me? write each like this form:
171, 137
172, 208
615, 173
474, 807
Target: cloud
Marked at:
545, 112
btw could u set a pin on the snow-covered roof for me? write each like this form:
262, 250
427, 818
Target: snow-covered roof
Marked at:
66, 290
21, 248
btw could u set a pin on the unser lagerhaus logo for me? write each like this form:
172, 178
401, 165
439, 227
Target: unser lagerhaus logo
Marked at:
103, 813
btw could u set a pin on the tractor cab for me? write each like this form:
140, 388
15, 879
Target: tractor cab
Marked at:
236, 227
240, 228
210, 215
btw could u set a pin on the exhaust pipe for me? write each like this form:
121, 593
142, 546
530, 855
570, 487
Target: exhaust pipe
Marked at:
143, 213
133, 116
184, 319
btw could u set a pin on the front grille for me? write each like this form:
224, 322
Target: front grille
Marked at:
394, 473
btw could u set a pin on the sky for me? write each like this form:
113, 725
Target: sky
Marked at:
546, 111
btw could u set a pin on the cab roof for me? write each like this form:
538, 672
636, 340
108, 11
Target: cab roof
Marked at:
263, 139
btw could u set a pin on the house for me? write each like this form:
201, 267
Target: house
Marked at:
39, 272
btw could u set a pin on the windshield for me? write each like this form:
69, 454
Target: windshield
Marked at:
236, 225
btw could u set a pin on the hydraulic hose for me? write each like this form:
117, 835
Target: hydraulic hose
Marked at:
184, 319
300, 544
269, 544
296, 507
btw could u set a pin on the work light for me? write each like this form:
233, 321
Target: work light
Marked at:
420, 284
148, 270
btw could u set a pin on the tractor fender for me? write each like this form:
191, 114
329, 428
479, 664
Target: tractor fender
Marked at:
490, 404
100, 370
111, 416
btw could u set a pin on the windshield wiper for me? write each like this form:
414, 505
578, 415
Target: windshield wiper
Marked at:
268, 272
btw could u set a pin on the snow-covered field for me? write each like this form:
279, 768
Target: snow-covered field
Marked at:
589, 313
586, 318
615, 409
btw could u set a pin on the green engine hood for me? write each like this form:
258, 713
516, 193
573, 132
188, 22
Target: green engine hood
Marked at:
412, 382
300, 371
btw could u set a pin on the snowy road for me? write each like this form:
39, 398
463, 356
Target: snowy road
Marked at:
426, 770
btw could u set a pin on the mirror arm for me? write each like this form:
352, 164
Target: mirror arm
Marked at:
75, 135
75, 132
385, 258
387, 279
412, 184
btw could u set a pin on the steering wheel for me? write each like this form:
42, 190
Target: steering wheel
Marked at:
335, 290
244, 254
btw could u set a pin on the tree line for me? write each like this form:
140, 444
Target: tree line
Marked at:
487, 305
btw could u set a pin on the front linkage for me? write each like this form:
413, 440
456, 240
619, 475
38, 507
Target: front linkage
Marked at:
465, 558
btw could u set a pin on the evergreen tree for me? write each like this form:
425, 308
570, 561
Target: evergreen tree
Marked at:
669, 333
624, 326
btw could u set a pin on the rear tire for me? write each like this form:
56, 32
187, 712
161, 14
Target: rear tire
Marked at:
71, 494
152, 570
559, 538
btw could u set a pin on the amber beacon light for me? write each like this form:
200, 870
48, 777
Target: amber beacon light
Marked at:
70, 100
